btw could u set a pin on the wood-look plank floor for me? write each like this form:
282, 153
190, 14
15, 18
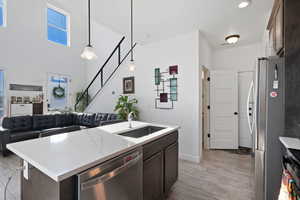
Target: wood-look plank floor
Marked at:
220, 176
8, 167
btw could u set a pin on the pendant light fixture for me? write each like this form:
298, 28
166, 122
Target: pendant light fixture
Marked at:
131, 65
88, 52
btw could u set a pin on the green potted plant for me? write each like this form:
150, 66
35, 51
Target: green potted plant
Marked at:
83, 103
126, 105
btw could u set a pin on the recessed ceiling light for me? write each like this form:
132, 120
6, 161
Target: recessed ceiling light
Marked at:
232, 39
244, 3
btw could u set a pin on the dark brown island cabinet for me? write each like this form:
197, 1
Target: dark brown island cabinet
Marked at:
160, 172
160, 167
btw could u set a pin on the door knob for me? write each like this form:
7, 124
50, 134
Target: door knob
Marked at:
236, 113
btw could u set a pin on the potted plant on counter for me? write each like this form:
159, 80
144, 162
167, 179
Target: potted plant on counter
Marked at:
126, 105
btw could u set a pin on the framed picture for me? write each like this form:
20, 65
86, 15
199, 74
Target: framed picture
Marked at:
163, 97
173, 70
128, 85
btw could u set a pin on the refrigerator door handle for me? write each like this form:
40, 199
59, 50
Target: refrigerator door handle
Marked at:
248, 107
256, 107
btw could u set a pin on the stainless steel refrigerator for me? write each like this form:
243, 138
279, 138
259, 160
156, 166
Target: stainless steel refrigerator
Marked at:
268, 125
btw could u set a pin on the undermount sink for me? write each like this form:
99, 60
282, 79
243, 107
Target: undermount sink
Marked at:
141, 132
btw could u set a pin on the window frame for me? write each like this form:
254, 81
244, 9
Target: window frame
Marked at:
4, 7
68, 21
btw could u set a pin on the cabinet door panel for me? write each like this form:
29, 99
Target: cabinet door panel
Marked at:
158, 145
153, 177
279, 29
38, 108
171, 166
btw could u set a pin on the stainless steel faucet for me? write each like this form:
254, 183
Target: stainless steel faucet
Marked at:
130, 118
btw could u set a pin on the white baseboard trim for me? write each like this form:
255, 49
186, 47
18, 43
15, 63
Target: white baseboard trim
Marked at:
195, 159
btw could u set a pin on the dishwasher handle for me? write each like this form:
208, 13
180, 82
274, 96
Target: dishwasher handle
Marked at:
90, 183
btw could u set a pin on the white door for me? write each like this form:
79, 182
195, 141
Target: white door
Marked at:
245, 137
224, 110
60, 83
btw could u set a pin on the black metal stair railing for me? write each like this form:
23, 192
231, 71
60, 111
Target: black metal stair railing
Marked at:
85, 96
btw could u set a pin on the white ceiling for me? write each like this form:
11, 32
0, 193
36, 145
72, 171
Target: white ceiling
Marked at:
160, 19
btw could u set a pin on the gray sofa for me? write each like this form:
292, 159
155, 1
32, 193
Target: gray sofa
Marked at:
15, 129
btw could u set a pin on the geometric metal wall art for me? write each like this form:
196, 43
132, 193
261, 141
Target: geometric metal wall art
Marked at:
166, 83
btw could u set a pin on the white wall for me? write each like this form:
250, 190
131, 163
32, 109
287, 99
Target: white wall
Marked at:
241, 58
104, 41
182, 50
26, 54
205, 52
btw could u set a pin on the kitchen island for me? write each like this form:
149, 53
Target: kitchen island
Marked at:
55, 165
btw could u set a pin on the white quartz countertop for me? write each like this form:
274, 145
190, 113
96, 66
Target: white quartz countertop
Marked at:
123, 127
62, 156
290, 143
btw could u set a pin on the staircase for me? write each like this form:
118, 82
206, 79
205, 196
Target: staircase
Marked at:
101, 78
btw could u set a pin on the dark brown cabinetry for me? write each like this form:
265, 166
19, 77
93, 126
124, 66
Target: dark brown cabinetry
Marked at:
37, 109
292, 67
284, 26
160, 166
171, 166
279, 37
276, 28
153, 173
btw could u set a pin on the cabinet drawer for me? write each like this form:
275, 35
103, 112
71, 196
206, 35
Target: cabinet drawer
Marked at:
159, 144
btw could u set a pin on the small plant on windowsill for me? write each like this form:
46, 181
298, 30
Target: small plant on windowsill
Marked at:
126, 105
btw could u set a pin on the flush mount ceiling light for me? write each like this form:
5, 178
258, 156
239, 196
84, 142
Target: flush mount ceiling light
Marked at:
88, 52
232, 39
244, 3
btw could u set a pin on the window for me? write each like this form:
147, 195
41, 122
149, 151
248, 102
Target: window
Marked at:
2, 12
58, 26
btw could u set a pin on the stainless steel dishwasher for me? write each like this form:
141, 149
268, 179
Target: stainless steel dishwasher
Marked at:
118, 179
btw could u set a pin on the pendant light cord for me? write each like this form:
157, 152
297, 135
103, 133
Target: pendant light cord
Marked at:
89, 21
131, 30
